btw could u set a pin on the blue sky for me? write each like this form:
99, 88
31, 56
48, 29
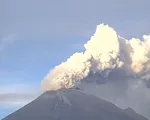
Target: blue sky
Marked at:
36, 35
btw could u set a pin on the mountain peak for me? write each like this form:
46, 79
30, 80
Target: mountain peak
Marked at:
70, 104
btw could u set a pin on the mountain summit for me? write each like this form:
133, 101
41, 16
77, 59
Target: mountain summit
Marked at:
71, 104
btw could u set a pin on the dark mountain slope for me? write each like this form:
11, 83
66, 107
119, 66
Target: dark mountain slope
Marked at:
70, 104
134, 114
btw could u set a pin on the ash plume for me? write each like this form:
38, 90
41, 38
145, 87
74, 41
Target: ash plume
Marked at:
107, 57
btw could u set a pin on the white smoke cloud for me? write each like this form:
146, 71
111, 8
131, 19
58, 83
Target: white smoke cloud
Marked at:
111, 67
104, 53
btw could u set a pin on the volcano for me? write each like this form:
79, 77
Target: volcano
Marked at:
71, 104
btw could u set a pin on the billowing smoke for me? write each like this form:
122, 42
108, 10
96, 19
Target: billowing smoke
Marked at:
111, 67
107, 56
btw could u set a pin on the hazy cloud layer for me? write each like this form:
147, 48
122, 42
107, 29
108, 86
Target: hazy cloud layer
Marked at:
16, 96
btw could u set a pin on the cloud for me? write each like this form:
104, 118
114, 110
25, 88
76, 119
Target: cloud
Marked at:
16, 96
13, 94
13, 105
7, 107
19, 89
11, 102
106, 54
